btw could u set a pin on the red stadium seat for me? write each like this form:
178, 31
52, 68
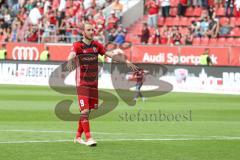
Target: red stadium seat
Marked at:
237, 41
237, 23
220, 11
173, 12
176, 21
183, 21
221, 41
189, 12
204, 41
229, 42
235, 32
197, 12
233, 21
161, 21
223, 20
196, 41
173, 3
133, 38
171, 21
183, 30
213, 42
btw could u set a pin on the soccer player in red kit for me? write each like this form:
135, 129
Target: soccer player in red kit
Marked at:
140, 78
84, 54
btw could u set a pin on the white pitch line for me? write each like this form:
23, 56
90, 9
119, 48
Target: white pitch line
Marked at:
106, 133
36, 131
34, 141
123, 139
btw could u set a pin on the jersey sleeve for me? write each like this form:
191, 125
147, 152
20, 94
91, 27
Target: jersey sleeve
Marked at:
101, 49
74, 48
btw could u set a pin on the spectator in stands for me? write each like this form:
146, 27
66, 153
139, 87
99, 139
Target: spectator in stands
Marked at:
100, 19
211, 12
165, 35
112, 35
153, 9
120, 37
46, 31
218, 3
165, 6
118, 9
176, 36
22, 15
29, 5
46, 6
62, 6
20, 32
7, 17
237, 7
144, 37
35, 15
32, 35
229, 6
68, 32
156, 38
213, 28
13, 36
188, 37
112, 21
182, 6
196, 3
225, 29
107, 3
91, 11
205, 3
100, 34
204, 26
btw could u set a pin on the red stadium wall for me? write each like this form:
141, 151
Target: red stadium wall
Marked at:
189, 55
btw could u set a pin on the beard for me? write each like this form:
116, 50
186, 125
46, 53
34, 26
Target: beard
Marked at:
90, 37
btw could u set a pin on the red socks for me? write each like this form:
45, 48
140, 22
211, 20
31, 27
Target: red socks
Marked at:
83, 126
80, 129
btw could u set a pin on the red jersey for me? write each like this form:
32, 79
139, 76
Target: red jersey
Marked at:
139, 75
87, 62
153, 7
184, 2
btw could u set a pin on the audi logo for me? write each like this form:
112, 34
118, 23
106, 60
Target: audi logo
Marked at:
25, 53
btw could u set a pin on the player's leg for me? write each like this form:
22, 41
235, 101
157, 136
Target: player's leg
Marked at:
140, 93
93, 104
137, 91
84, 118
83, 103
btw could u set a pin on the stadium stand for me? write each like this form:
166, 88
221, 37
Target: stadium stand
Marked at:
221, 29
61, 20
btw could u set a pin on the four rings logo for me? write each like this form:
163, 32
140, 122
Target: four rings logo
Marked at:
25, 53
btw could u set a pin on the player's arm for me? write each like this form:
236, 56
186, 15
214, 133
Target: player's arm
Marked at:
70, 63
120, 58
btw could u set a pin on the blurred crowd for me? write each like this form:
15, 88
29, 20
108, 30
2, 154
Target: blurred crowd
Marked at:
59, 20
207, 25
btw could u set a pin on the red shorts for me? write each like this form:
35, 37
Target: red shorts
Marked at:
87, 97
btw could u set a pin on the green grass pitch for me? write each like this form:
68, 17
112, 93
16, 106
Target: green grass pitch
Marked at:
30, 130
